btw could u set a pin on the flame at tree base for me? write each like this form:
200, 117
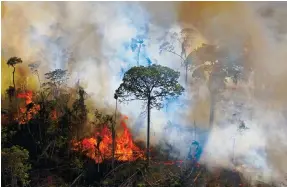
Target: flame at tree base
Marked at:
99, 147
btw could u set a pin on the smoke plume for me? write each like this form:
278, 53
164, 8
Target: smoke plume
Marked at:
92, 40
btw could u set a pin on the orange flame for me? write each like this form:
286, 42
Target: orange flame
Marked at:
26, 113
99, 147
28, 95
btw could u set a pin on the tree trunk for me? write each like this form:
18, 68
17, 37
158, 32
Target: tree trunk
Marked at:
194, 130
15, 94
14, 69
13, 181
113, 137
186, 68
139, 50
211, 114
148, 129
39, 79
212, 99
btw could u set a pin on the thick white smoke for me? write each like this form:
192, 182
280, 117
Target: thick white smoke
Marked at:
92, 40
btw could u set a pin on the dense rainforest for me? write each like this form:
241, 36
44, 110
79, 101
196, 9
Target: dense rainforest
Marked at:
50, 138
56, 135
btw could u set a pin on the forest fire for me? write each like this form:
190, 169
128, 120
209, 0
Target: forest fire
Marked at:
28, 95
29, 110
99, 147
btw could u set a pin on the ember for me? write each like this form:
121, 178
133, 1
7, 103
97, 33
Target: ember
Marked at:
99, 147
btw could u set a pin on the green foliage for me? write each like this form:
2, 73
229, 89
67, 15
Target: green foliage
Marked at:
79, 113
141, 185
79, 106
45, 141
153, 83
15, 164
6, 134
77, 163
52, 128
61, 141
108, 182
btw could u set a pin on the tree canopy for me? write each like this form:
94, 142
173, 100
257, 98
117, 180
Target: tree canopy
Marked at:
56, 77
153, 82
13, 61
15, 161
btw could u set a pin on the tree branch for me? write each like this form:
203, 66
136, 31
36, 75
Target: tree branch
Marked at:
175, 54
76, 179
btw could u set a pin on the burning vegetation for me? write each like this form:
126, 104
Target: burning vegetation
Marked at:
46, 130
50, 121
29, 110
99, 147
52, 137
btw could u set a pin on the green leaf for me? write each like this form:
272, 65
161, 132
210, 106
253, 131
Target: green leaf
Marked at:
152, 83
15, 163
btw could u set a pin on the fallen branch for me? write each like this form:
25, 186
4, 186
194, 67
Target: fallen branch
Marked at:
145, 178
45, 150
76, 179
197, 176
122, 185
115, 169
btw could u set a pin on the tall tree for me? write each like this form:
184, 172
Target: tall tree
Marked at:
80, 110
15, 165
136, 44
12, 62
56, 80
218, 68
34, 69
151, 84
207, 53
183, 39
114, 133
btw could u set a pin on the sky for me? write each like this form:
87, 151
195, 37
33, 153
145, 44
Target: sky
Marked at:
93, 41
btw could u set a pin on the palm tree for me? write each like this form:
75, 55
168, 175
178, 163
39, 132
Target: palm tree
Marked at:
12, 62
